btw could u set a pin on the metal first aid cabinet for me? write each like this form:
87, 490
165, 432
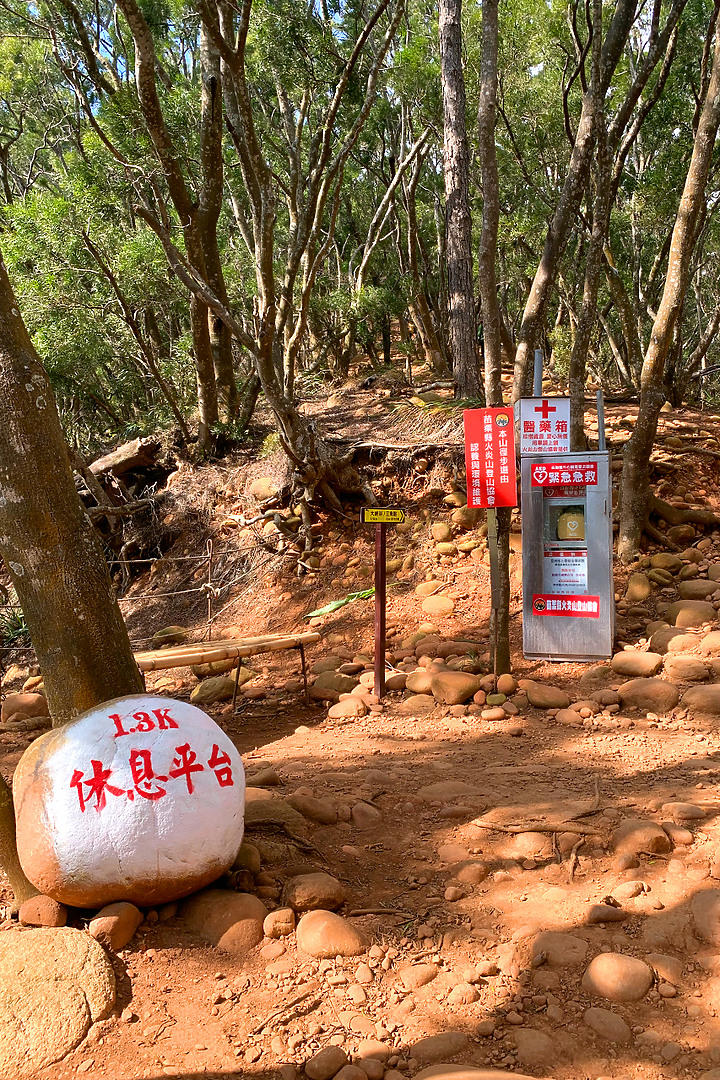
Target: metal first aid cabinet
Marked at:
568, 593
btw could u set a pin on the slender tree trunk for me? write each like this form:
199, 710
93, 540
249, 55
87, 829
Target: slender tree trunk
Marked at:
593, 261
211, 134
569, 202
458, 222
52, 553
492, 318
636, 457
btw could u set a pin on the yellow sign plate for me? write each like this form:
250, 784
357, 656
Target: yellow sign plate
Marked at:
382, 515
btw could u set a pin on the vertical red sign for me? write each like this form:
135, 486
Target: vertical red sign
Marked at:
490, 457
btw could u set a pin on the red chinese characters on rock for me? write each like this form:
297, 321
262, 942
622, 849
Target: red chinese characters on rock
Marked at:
93, 789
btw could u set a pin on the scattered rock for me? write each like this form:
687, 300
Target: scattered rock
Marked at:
638, 588
685, 668
219, 688
416, 705
650, 695
436, 1047
279, 923
326, 1063
169, 635
323, 934
320, 810
24, 706
413, 976
704, 700
696, 589
348, 708
705, 907
438, 605
534, 1048
231, 921
309, 892
42, 911
683, 811
617, 977
633, 662
115, 924
454, 687
687, 613
710, 643
54, 983
544, 697
608, 1025
559, 950
636, 835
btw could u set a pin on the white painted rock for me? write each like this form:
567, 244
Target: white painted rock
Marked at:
140, 799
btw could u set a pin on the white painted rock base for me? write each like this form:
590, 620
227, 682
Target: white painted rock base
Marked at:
141, 799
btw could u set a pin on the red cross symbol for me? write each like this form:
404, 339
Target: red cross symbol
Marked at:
545, 409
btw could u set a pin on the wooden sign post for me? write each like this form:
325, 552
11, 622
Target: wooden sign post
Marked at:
380, 517
491, 482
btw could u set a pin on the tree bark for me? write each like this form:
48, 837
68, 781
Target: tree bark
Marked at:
52, 553
492, 318
569, 202
458, 222
636, 457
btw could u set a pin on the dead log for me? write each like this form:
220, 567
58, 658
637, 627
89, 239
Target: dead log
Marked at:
137, 454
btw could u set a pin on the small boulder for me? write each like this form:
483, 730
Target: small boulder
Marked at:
559, 950
115, 924
696, 589
703, 700
219, 688
169, 635
705, 909
320, 810
416, 705
608, 1025
349, 708
437, 1047
544, 697
438, 605
231, 921
650, 695
42, 911
309, 892
279, 923
534, 1048
326, 1063
23, 706
633, 662
710, 644
324, 935
454, 687
686, 613
617, 977
685, 668
635, 836
638, 588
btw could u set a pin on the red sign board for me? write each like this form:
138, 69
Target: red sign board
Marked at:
558, 473
571, 607
490, 457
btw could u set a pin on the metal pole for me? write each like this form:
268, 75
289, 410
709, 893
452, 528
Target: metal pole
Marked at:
538, 373
601, 420
380, 593
494, 581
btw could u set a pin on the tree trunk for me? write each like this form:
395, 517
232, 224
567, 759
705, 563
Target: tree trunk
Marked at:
569, 202
636, 457
458, 223
492, 319
51, 550
600, 219
52, 553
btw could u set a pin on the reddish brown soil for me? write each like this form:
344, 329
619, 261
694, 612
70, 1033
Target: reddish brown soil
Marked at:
525, 768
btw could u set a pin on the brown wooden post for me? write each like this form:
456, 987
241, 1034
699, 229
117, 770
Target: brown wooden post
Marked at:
380, 594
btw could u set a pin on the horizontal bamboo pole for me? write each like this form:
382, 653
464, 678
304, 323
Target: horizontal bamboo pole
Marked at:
210, 652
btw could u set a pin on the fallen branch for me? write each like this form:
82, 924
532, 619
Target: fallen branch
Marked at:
538, 826
122, 510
